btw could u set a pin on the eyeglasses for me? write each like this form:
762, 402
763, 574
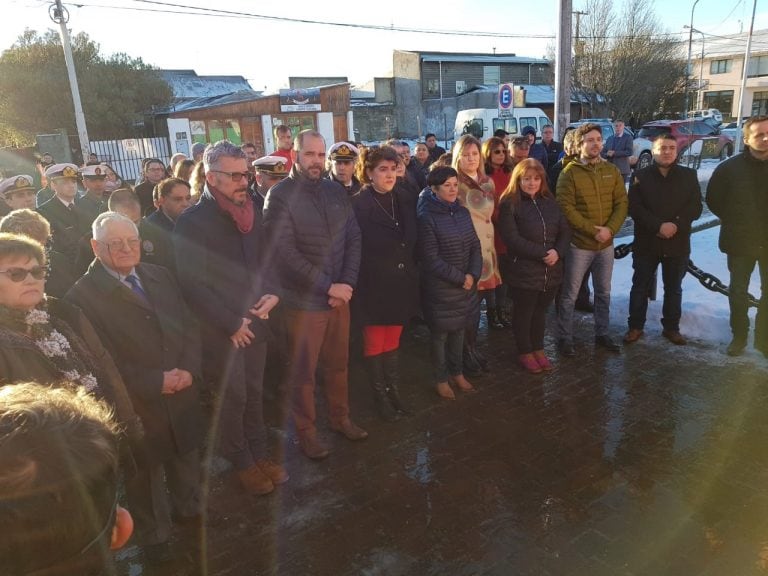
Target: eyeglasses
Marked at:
235, 176
118, 243
499, 151
20, 274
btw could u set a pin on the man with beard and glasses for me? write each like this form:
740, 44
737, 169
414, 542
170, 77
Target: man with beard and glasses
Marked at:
222, 269
316, 244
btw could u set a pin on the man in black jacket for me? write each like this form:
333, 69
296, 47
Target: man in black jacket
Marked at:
664, 200
220, 262
173, 197
737, 195
316, 244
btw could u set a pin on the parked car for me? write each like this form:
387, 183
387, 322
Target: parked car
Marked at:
686, 132
641, 147
713, 116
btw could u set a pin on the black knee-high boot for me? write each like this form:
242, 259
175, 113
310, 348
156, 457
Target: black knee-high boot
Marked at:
375, 368
391, 362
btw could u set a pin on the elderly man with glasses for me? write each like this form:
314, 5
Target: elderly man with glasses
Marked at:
144, 323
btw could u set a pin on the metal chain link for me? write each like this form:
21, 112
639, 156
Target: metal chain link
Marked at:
709, 281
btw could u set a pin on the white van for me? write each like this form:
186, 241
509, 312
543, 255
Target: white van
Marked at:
483, 122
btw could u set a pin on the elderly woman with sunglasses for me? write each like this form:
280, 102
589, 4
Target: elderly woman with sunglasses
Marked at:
48, 341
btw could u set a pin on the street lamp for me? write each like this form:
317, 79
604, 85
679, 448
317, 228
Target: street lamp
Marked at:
688, 66
700, 91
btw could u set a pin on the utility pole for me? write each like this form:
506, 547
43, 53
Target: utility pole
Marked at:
563, 66
745, 73
60, 16
688, 65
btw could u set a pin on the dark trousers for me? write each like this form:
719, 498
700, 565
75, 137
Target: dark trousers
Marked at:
446, 351
242, 431
148, 497
741, 268
319, 337
673, 270
529, 317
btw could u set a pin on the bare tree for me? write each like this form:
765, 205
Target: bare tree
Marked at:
627, 61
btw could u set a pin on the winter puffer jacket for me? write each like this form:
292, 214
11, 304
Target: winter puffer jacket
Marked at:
530, 228
592, 195
448, 249
313, 238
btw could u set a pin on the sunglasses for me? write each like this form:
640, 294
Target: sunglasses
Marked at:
500, 151
234, 176
20, 274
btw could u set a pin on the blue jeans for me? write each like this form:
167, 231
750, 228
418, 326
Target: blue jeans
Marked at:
741, 268
673, 270
577, 263
447, 348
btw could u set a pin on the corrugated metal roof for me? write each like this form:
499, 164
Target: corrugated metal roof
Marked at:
187, 84
478, 58
535, 94
210, 101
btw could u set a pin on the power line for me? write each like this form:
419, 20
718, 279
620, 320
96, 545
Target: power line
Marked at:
220, 13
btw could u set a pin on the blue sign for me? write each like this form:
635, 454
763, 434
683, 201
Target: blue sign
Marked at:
506, 97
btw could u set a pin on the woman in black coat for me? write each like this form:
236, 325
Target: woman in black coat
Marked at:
451, 263
387, 294
537, 235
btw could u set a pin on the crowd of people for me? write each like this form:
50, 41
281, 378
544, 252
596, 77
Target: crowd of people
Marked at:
142, 299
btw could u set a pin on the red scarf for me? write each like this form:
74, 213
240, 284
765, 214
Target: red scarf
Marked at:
242, 214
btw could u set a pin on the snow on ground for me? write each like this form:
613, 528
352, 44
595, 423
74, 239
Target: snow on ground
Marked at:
705, 313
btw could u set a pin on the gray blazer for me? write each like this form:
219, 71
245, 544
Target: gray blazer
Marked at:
622, 147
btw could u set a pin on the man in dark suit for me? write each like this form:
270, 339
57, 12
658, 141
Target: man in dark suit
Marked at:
220, 261
173, 197
618, 149
142, 319
70, 226
153, 171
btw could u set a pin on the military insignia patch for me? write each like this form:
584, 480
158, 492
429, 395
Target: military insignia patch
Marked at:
148, 247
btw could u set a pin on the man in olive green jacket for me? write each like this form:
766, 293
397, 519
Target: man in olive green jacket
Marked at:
592, 196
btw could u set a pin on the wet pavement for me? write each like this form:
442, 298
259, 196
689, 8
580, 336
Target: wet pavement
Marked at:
653, 462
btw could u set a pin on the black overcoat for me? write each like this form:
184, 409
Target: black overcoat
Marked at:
388, 284
222, 274
146, 339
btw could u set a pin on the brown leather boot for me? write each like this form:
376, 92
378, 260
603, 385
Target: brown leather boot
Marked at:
311, 446
349, 430
273, 471
254, 481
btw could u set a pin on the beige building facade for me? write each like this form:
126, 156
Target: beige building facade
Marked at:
717, 83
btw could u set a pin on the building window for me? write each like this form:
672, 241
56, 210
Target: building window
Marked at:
722, 100
720, 66
233, 131
433, 87
758, 66
491, 74
198, 131
760, 104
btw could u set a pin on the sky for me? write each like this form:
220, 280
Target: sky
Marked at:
267, 52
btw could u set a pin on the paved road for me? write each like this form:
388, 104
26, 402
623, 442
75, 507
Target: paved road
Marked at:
649, 463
